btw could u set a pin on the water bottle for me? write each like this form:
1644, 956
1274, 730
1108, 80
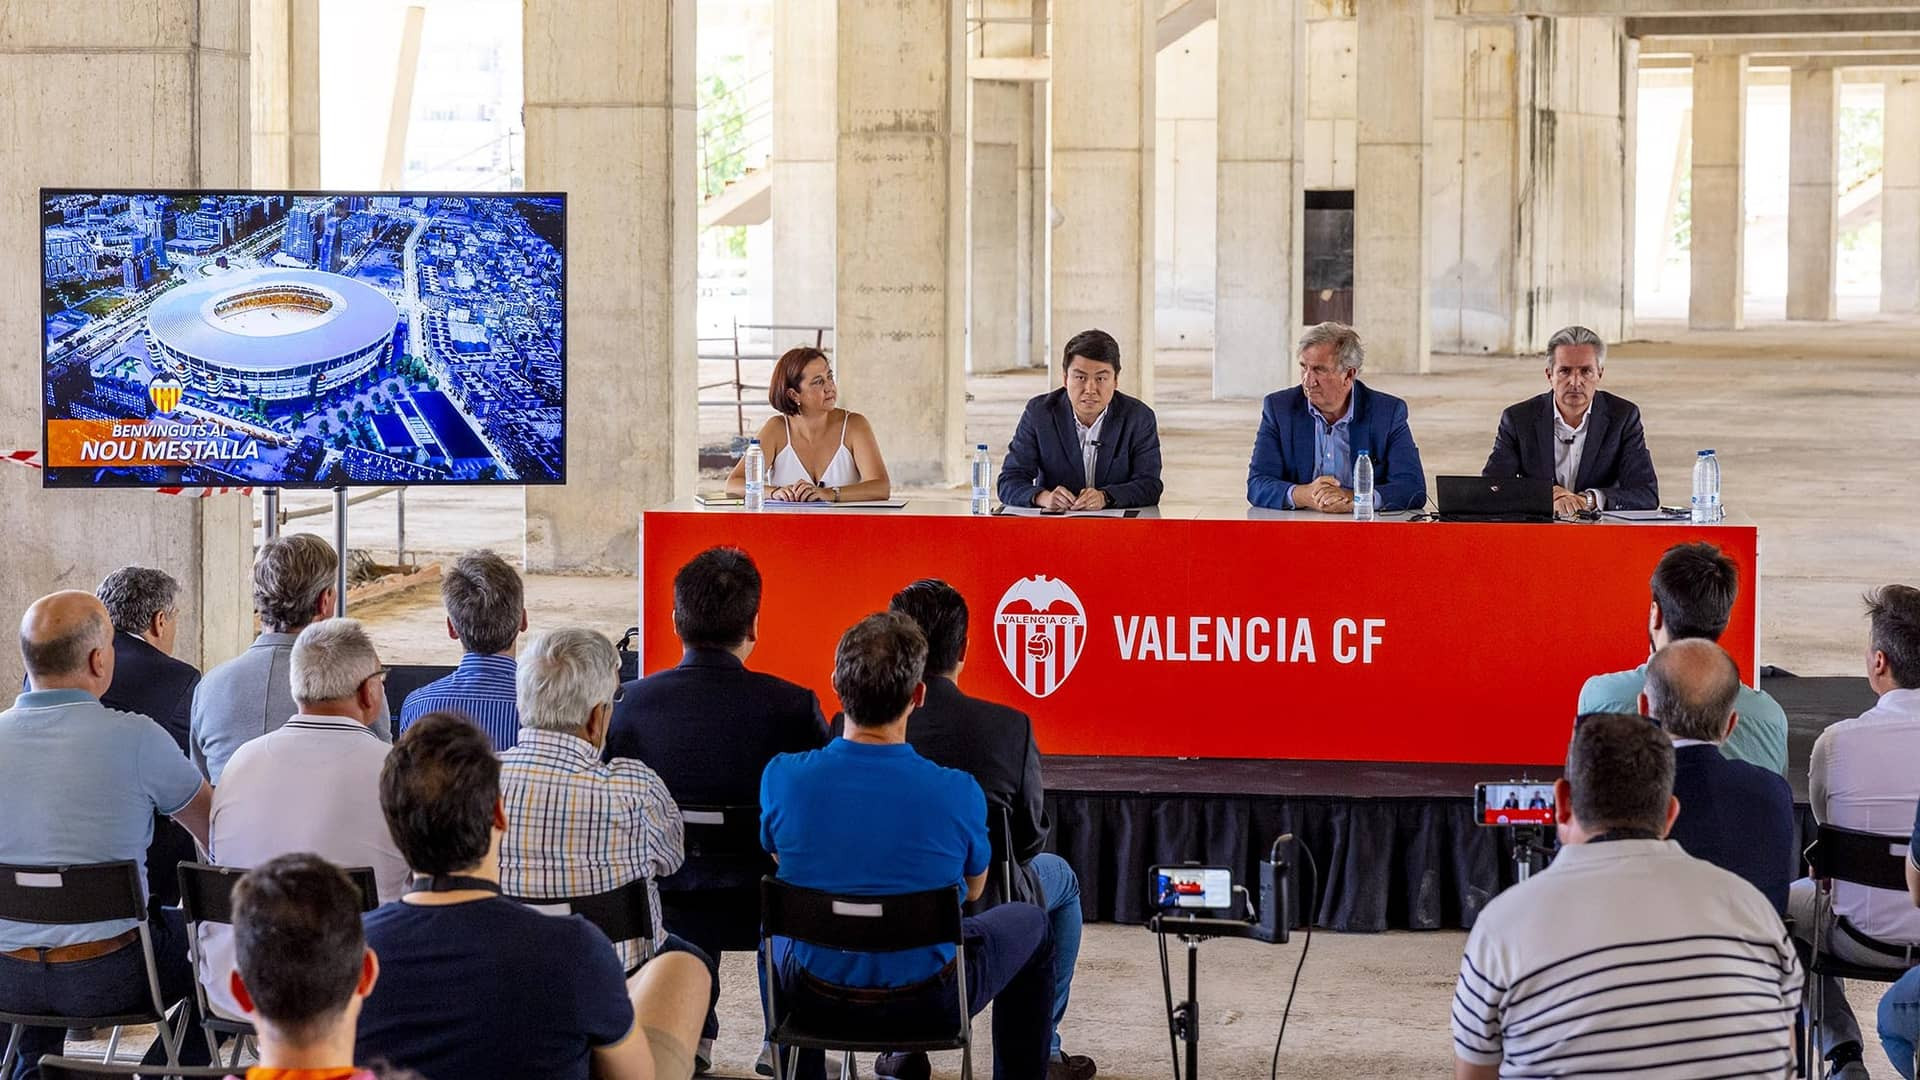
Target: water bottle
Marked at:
1706, 488
1363, 487
756, 476
982, 479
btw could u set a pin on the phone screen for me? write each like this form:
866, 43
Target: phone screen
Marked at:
1178, 888
1513, 804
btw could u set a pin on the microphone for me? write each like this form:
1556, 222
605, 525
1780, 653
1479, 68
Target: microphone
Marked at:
1095, 443
1566, 440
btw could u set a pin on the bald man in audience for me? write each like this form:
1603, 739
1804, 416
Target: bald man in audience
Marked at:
80, 783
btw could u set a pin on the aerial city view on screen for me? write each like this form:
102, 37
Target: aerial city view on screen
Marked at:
302, 340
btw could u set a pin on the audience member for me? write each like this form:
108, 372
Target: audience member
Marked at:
994, 744
1694, 586
1736, 816
708, 727
1626, 955
932, 835
1900, 1005
248, 696
312, 786
487, 612
145, 608
475, 986
1862, 777
79, 783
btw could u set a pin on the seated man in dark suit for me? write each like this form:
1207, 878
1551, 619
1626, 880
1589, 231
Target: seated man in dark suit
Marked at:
1587, 440
1085, 446
1311, 434
144, 605
1734, 815
707, 728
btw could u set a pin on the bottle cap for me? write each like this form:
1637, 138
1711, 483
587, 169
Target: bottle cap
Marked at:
1363, 453
753, 442
979, 446
1706, 453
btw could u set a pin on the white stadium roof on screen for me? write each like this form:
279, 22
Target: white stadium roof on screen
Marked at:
269, 332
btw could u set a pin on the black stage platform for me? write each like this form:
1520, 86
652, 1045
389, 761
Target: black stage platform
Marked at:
1396, 843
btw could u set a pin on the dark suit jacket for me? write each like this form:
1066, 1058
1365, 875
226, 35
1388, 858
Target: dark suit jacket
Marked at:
1045, 452
1736, 816
149, 682
995, 745
1614, 461
1283, 450
708, 727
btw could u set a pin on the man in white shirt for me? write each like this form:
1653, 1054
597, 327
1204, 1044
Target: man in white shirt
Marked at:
1627, 955
1862, 776
311, 785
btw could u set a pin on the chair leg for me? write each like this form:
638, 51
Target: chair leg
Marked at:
848, 1070
113, 1041
12, 1051
966, 1060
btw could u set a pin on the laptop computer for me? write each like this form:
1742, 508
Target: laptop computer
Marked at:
1485, 498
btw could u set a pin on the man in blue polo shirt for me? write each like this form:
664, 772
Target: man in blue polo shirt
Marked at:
486, 611
932, 833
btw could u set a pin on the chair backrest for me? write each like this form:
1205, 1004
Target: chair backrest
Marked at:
62, 1068
623, 914
722, 832
860, 923
206, 892
1859, 858
67, 895
1000, 841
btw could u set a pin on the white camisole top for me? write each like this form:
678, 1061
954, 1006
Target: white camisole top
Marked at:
787, 468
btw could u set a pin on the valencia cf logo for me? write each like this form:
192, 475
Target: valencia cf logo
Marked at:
1041, 630
165, 391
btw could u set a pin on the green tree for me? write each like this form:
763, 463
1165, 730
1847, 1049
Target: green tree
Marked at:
724, 136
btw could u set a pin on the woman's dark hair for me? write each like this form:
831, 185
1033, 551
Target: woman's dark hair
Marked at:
787, 372
438, 790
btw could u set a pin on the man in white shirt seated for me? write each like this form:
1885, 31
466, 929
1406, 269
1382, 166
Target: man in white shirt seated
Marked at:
1863, 776
1627, 955
311, 785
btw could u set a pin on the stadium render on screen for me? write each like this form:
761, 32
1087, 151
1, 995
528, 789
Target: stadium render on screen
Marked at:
303, 340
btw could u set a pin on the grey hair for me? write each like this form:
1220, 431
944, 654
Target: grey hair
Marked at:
1688, 702
66, 654
562, 675
1344, 339
330, 660
484, 599
1577, 335
133, 595
289, 574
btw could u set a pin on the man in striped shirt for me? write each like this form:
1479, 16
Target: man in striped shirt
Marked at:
1626, 955
487, 613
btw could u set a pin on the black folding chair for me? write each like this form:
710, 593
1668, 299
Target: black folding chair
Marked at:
1000, 840
623, 914
60, 1068
722, 832
1856, 858
863, 924
206, 896
723, 842
69, 896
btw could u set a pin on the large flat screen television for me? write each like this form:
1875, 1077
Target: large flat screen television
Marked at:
302, 339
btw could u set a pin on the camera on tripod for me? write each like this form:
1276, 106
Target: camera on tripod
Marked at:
1190, 900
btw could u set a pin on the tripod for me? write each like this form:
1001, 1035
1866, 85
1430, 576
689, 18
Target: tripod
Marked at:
1529, 844
1184, 1017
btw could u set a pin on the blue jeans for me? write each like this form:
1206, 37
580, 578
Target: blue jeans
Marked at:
1061, 889
1900, 1022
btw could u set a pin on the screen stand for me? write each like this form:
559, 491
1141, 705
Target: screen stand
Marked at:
270, 517
340, 551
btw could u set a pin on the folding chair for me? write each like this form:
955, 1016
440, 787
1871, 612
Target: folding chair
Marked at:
623, 914
69, 896
206, 896
1857, 858
724, 839
1000, 839
864, 924
61, 1068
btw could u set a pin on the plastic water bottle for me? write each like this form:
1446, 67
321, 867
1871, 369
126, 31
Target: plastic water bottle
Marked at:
1362, 487
982, 479
756, 476
1706, 488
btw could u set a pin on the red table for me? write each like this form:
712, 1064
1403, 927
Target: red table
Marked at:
1239, 634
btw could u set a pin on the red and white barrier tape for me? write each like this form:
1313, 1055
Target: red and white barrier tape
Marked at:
31, 459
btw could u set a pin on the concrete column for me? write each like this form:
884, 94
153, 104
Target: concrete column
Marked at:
610, 121
996, 274
1900, 198
804, 126
1262, 127
1039, 194
1392, 290
1813, 179
901, 185
1719, 217
83, 79
1103, 166
286, 93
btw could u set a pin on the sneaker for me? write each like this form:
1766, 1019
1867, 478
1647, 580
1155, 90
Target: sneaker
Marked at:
1852, 1070
913, 1066
1071, 1067
764, 1063
703, 1058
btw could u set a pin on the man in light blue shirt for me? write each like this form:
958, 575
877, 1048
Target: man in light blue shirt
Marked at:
487, 613
1694, 587
80, 783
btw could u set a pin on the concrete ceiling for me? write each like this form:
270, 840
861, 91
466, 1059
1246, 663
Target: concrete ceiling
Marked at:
1887, 60
1810, 45
1772, 26
1633, 8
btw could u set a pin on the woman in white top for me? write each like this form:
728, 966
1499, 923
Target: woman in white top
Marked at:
814, 451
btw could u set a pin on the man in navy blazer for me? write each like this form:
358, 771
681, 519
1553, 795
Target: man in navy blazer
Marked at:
1085, 446
1734, 815
1588, 441
1311, 434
